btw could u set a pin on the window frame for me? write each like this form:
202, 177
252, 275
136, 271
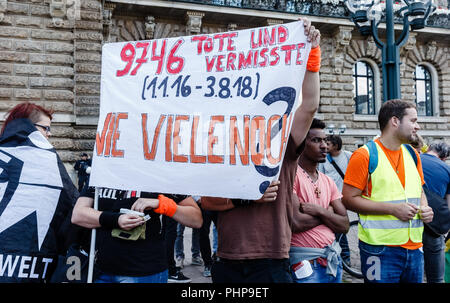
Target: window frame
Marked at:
433, 96
375, 86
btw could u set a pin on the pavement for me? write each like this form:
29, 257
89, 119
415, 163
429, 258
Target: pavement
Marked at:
194, 272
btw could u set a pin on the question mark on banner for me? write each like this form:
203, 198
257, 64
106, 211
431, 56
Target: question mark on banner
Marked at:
285, 94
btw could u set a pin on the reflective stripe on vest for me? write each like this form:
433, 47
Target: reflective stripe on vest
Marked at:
387, 188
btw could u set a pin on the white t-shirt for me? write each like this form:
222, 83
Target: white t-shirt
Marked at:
328, 169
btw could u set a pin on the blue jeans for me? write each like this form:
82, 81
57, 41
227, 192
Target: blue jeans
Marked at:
215, 239
156, 278
386, 264
320, 275
179, 244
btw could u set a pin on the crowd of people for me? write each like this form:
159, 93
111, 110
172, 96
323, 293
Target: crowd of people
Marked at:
289, 234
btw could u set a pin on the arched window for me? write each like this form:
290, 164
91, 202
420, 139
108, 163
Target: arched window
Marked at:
424, 91
363, 88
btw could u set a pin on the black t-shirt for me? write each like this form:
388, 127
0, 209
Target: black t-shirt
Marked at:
125, 257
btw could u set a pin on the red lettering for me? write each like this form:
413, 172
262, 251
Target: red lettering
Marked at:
127, 55
287, 49
175, 60
159, 58
262, 54
254, 44
210, 64
245, 62
199, 40
209, 45
230, 46
274, 53
282, 34
230, 61
219, 66
269, 39
143, 58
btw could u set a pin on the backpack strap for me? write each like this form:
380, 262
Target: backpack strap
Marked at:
411, 151
329, 158
373, 156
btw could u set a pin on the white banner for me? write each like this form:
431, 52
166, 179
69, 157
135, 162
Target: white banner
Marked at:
206, 115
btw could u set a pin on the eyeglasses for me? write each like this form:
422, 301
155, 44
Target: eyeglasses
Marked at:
46, 128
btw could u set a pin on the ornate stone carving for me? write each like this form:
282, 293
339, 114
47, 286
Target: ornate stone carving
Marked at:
150, 27
232, 27
193, 22
108, 9
431, 50
341, 41
58, 11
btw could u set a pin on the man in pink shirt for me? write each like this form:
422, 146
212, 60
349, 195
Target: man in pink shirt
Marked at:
314, 254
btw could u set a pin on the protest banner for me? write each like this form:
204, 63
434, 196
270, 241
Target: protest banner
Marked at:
206, 115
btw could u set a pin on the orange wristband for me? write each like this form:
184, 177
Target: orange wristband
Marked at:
313, 64
166, 206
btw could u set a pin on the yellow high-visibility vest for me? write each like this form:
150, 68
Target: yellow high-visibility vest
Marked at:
387, 188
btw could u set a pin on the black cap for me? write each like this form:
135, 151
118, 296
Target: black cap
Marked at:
84, 155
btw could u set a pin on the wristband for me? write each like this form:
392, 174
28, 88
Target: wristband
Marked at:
166, 207
109, 219
313, 64
241, 202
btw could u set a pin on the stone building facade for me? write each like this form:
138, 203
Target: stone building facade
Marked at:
50, 54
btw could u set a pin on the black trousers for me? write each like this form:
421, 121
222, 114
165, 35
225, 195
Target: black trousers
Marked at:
205, 243
251, 271
170, 235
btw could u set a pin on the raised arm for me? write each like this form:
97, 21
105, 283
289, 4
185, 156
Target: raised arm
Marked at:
310, 88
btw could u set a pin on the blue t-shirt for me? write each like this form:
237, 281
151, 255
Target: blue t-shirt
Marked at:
436, 174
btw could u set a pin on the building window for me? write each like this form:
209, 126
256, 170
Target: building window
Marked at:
363, 88
424, 92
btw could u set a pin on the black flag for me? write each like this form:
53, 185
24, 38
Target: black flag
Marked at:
36, 197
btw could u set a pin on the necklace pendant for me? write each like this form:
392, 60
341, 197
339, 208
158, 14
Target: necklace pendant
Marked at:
397, 171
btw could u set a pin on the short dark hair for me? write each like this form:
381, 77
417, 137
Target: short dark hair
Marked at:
441, 148
393, 108
335, 140
316, 123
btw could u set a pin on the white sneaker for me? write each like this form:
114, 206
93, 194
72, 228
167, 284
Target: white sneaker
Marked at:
179, 262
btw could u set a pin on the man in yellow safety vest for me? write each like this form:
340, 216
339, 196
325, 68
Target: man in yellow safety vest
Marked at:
383, 184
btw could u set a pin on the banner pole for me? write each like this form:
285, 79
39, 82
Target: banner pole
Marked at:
93, 236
